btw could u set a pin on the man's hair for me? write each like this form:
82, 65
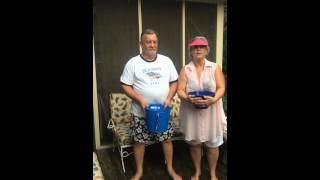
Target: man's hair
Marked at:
148, 31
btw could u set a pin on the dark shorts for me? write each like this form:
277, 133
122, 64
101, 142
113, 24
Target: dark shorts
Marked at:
140, 133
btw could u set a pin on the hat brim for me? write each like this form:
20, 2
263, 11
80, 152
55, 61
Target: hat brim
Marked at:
198, 42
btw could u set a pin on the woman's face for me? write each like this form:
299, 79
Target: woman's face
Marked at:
199, 52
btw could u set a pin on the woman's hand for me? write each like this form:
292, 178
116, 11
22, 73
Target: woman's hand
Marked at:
205, 100
190, 99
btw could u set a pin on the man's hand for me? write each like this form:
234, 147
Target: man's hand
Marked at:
167, 103
143, 103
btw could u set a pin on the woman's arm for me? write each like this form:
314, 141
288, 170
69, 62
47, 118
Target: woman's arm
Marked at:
220, 87
220, 83
182, 84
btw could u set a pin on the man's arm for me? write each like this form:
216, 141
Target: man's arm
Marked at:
172, 92
134, 95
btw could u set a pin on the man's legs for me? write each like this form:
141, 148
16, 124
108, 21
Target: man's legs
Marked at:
168, 153
138, 149
140, 136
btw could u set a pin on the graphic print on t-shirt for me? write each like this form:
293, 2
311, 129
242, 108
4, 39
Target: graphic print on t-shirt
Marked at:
153, 74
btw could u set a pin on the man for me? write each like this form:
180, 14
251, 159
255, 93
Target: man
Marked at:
149, 78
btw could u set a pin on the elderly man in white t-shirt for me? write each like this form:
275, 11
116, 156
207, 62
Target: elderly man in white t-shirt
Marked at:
149, 78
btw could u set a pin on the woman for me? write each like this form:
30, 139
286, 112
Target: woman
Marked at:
205, 125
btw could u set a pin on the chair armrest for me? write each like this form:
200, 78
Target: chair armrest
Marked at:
110, 124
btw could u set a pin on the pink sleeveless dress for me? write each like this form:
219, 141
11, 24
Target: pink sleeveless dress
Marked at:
202, 125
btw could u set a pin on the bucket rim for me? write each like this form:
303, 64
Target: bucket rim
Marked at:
159, 105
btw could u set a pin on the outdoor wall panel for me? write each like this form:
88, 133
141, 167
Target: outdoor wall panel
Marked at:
165, 17
116, 40
201, 21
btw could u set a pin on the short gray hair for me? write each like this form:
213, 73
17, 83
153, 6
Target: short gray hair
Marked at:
148, 31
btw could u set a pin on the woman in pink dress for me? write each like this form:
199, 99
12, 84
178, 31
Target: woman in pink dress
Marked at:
202, 125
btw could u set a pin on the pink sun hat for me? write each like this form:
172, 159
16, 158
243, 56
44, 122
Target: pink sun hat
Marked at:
198, 42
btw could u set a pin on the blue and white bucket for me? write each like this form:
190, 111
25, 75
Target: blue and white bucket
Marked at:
201, 94
157, 118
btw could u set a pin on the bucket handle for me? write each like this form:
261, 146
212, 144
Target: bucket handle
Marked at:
157, 121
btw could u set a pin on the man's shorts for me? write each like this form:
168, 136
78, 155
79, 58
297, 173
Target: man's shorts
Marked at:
140, 133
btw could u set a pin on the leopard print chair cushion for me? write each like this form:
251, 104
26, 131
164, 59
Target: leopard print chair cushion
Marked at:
175, 115
121, 115
225, 133
120, 106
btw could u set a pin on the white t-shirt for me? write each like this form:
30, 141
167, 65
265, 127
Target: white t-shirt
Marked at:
149, 79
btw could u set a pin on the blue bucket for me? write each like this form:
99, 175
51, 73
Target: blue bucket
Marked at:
201, 94
157, 118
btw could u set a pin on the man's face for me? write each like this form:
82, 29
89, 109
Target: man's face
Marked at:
149, 44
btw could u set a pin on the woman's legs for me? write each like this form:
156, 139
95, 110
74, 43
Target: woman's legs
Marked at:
195, 151
213, 155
